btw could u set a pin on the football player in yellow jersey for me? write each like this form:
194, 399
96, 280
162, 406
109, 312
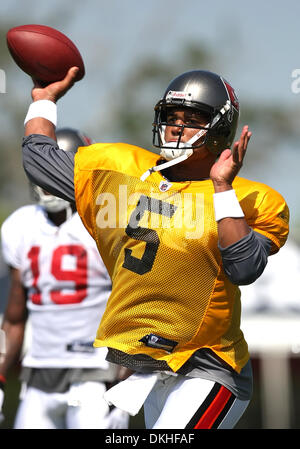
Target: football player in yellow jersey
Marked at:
178, 232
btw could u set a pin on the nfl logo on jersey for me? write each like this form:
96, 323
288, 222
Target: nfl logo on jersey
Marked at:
164, 186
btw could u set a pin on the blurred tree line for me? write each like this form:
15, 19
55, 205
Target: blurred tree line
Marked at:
131, 115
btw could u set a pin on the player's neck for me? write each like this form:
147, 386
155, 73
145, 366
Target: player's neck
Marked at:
190, 170
58, 218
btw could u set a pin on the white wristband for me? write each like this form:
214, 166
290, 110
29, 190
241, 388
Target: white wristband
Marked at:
42, 108
226, 205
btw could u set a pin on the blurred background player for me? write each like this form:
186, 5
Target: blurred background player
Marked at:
59, 281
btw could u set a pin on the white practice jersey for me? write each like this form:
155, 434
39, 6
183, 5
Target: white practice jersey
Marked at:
67, 286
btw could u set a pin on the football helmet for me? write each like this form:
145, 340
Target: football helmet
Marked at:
68, 139
207, 93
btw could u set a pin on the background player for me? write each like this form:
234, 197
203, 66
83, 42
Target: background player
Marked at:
58, 277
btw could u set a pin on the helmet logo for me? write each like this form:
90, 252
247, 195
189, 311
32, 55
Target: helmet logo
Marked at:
87, 140
232, 95
176, 96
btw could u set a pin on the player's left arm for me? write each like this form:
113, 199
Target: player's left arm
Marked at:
245, 260
244, 252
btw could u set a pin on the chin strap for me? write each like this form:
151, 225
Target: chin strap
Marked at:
178, 159
163, 166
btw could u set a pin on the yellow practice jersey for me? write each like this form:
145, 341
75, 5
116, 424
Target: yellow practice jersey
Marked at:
158, 240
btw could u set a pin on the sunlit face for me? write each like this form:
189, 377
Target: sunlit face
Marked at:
179, 117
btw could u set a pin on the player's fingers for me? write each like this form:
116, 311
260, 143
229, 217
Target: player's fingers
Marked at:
235, 152
225, 155
70, 76
243, 143
249, 134
59, 88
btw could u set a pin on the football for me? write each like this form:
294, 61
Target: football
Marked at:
43, 53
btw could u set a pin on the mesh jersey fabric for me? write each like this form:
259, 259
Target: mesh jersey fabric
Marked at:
158, 241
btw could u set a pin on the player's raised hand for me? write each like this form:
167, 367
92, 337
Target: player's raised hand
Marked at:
230, 162
39, 123
55, 90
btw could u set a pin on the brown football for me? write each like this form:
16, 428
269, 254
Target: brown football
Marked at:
43, 53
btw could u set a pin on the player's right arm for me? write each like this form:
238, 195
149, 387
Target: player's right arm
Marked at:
52, 92
46, 165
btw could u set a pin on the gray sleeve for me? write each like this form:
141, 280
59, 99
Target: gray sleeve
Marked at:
48, 166
245, 260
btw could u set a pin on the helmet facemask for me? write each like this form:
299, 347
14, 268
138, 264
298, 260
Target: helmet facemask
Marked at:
172, 150
51, 203
215, 135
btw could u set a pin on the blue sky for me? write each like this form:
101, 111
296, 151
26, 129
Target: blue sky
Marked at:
258, 44
259, 40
